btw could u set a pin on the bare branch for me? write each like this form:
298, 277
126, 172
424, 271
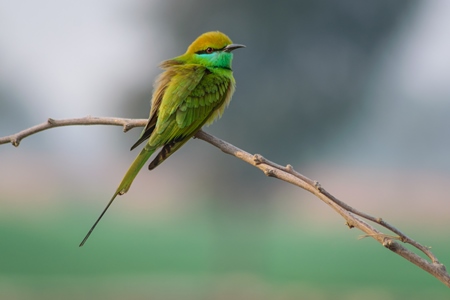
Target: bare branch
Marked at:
288, 174
127, 124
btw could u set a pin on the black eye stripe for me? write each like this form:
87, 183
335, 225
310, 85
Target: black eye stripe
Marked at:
206, 52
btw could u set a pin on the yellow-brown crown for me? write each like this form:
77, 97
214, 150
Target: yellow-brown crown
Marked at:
213, 39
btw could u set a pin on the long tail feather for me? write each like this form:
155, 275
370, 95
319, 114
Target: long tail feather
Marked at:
124, 186
98, 220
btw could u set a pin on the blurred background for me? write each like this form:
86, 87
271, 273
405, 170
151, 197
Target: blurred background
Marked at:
352, 93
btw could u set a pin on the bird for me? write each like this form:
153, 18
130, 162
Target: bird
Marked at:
192, 91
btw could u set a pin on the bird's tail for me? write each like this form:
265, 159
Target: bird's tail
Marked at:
166, 151
134, 169
127, 180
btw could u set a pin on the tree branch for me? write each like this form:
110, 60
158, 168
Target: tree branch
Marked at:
127, 124
352, 216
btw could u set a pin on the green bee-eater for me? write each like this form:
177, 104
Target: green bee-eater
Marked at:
193, 90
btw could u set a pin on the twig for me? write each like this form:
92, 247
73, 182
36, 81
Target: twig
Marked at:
127, 124
288, 174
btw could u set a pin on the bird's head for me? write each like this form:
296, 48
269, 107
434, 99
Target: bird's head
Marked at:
212, 49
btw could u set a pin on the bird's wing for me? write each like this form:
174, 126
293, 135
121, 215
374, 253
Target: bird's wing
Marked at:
173, 69
185, 108
189, 114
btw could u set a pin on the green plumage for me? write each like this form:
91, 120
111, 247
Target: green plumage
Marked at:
193, 90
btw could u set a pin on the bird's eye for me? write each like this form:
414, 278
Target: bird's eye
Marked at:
209, 50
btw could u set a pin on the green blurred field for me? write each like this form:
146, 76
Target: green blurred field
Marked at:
207, 255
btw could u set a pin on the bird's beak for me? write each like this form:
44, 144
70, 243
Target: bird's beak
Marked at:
231, 47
